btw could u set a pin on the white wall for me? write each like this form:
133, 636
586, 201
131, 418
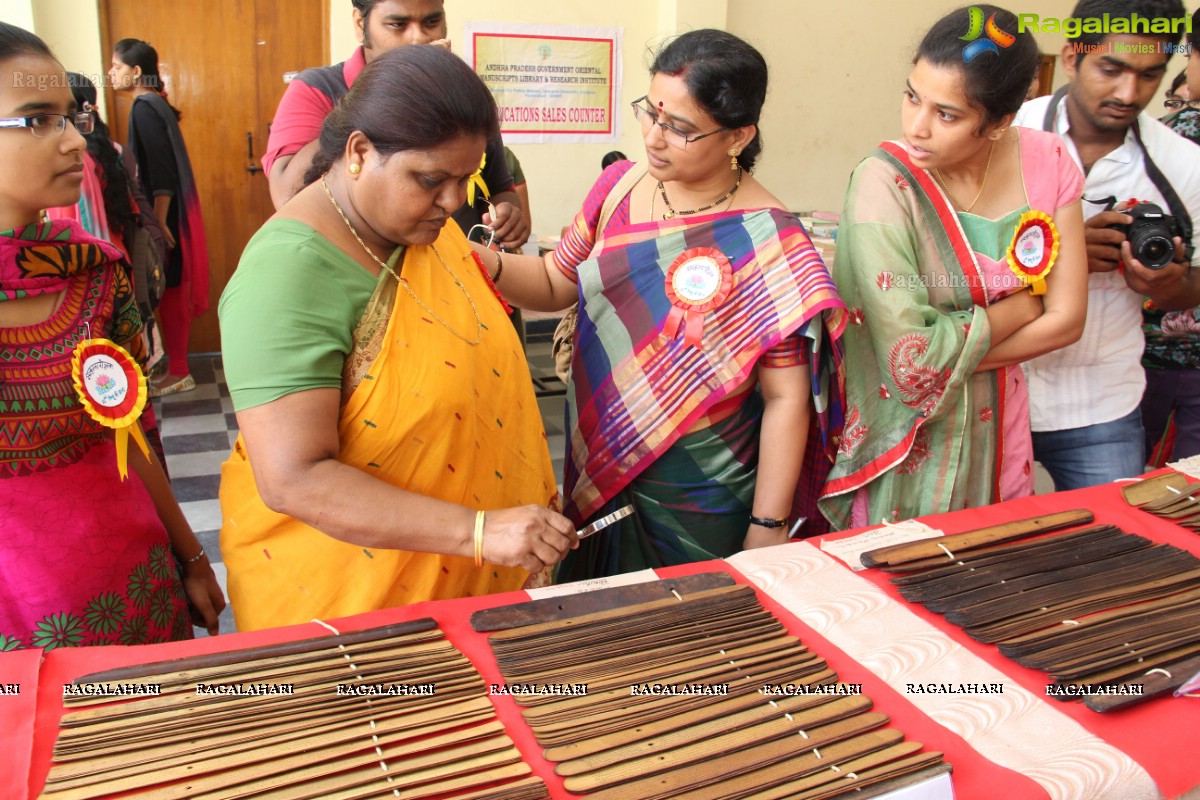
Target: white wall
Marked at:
17, 12
836, 82
72, 29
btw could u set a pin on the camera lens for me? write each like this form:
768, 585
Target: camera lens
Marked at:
1150, 235
1153, 250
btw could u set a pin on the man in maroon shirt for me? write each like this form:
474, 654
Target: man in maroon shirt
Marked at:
380, 25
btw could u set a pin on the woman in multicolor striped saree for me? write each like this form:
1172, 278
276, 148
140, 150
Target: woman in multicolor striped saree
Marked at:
706, 378
937, 416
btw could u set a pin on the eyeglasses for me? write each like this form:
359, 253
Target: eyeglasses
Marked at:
1179, 103
42, 125
671, 134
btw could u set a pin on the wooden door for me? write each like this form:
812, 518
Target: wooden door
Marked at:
1045, 74
223, 63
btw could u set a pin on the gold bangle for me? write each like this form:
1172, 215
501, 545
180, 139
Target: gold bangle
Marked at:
499, 268
479, 517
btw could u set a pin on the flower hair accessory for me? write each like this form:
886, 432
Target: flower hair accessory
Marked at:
477, 181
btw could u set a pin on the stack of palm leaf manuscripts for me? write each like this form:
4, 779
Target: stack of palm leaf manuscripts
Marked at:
700, 693
1170, 496
393, 711
1114, 618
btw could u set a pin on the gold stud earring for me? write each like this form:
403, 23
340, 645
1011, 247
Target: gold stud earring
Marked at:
733, 154
355, 169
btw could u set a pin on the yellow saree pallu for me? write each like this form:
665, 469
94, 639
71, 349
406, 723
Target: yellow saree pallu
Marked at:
430, 413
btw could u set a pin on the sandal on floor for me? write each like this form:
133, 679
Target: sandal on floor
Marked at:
171, 385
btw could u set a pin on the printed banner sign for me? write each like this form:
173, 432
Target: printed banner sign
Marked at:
551, 83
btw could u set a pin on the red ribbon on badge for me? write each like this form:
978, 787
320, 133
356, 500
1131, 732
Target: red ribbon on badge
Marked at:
1034, 249
698, 280
112, 389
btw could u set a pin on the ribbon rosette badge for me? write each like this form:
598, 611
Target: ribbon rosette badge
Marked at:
1034, 249
112, 390
698, 281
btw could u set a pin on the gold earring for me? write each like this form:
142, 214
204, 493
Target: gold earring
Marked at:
355, 169
733, 154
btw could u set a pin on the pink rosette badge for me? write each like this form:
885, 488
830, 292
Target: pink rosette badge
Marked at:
112, 389
1034, 249
698, 280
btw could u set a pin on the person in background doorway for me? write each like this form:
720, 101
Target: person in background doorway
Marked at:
520, 186
1178, 95
165, 173
612, 157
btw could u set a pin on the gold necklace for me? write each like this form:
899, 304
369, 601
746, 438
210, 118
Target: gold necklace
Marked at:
982, 184
404, 283
672, 213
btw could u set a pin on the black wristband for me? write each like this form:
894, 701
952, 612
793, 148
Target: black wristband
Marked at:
765, 522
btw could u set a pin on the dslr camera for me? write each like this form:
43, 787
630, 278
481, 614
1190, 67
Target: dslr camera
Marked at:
1151, 235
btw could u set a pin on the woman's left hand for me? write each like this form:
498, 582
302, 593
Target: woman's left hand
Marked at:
205, 599
758, 536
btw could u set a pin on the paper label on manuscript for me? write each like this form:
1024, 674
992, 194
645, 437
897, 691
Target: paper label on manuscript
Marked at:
1188, 466
579, 587
849, 550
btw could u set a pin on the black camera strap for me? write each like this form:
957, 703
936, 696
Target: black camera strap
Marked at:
1052, 109
1174, 204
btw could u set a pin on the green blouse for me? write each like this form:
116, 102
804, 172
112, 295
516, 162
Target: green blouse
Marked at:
991, 237
288, 314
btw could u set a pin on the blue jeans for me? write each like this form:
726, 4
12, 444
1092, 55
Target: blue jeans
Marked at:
1093, 455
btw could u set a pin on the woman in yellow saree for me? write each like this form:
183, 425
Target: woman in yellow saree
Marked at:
390, 440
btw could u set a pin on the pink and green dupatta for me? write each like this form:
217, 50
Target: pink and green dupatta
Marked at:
923, 430
635, 390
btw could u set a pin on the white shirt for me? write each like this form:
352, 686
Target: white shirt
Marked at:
1100, 377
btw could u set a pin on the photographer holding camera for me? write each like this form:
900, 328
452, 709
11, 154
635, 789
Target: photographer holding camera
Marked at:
1085, 399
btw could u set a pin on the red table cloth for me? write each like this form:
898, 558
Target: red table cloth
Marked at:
1143, 751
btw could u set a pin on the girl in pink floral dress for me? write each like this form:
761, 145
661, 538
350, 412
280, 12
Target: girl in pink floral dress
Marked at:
85, 557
